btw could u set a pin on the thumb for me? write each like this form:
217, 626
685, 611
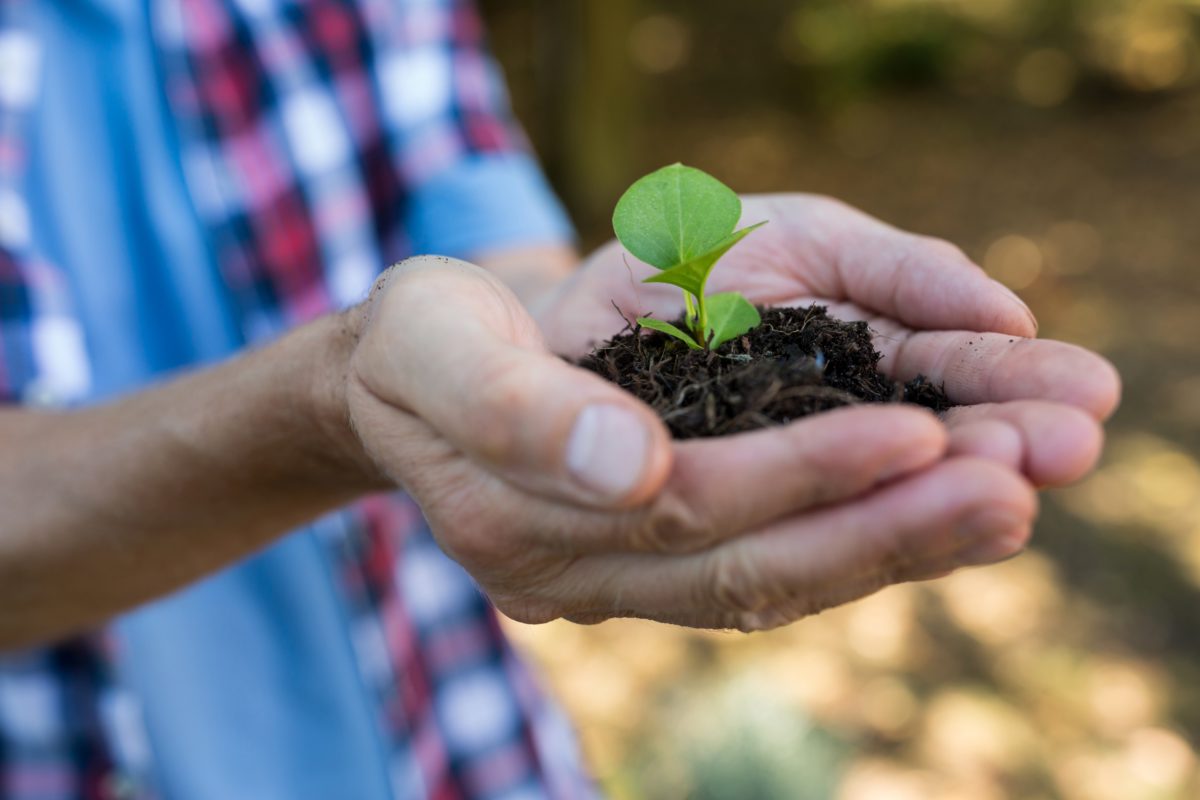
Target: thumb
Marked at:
449, 343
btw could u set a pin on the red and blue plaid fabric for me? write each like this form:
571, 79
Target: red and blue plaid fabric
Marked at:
303, 124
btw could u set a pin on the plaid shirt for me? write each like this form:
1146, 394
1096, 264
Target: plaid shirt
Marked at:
302, 125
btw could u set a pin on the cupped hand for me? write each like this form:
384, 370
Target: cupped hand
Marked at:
564, 496
1033, 405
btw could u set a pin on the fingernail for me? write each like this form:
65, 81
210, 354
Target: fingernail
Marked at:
607, 450
987, 524
991, 536
991, 551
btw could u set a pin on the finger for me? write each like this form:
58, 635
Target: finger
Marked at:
452, 345
958, 513
719, 488
725, 486
994, 368
967, 363
1050, 443
991, 439
924, 282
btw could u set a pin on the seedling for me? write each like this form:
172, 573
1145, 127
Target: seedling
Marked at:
680, 221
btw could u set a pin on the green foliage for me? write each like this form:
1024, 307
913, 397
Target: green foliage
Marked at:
691, 275
681, 221
670, 330
675, 214
729, 316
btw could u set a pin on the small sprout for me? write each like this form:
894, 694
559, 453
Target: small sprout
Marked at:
681, 220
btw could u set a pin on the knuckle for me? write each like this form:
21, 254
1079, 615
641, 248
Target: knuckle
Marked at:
735, 583
419, 286
431, 270
674, 525
407, 284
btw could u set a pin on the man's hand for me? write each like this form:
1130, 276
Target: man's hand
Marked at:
564, 496
1032, 405
560, 493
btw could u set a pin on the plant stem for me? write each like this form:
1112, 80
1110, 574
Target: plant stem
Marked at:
691, 308
701, 322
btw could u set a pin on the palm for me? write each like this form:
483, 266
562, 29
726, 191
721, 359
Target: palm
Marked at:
1030, 403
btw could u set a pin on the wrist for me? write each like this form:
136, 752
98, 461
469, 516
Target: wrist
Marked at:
334, 339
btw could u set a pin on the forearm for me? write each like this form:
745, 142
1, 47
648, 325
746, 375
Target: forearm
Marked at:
104, 508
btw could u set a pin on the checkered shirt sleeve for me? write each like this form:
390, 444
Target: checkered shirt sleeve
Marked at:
305, 129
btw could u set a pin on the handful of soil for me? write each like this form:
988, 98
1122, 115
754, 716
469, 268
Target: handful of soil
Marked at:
799, 361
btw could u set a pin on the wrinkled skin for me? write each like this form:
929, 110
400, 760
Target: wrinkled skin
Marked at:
750, 531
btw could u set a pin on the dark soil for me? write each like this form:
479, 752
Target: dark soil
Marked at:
799, 361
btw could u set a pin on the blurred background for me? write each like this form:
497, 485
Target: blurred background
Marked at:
1058, 142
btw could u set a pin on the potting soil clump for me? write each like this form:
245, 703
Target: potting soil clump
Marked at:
799, 361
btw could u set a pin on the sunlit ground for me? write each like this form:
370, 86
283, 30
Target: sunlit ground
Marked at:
1072, 671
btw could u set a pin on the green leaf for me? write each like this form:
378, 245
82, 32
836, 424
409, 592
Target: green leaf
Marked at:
674, 215
670, 330
729, 316
693, 274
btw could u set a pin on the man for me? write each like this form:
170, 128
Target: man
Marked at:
179, 180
